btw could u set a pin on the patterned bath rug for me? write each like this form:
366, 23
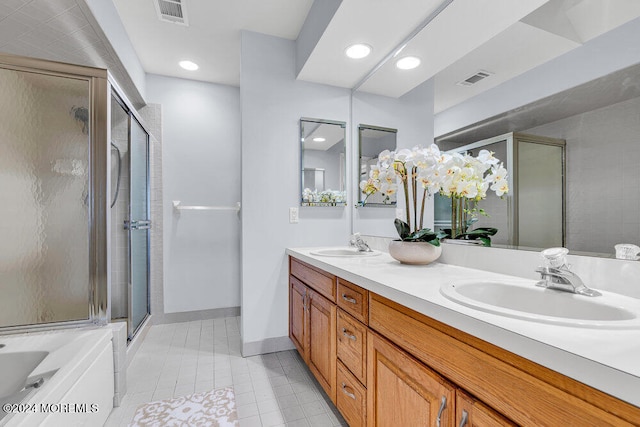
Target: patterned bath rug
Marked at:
216, 408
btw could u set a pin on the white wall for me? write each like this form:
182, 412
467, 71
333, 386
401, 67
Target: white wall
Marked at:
411, 115
272, 104
201, 166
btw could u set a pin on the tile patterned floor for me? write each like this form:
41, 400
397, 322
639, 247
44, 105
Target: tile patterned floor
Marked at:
273, 389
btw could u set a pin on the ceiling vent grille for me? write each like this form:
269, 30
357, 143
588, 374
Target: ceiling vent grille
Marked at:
173, 11
475, 78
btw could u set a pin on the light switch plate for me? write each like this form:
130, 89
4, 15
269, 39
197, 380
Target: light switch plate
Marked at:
293, 215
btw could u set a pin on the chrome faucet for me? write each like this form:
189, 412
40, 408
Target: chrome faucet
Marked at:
358, 242
556, 274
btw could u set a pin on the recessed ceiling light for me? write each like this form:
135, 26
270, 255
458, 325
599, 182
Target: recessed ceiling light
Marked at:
358, 51
408, 62
319, 139
188, 65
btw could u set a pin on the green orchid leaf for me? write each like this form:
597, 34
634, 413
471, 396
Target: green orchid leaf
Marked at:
435, 242
486, 230
403, 229
486, 241
423, 235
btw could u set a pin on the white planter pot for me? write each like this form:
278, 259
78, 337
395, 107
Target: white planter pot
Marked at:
414, 253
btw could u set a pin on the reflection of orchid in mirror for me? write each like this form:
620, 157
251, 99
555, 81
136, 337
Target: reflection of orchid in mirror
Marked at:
462, 177
326, 197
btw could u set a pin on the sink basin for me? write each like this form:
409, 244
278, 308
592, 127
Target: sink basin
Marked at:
344, 252
546, 305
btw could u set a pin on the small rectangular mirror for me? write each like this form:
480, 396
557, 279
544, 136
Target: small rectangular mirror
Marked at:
372, 141
323, 162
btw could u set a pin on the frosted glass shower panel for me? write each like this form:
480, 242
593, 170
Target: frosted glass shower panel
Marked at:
44, 194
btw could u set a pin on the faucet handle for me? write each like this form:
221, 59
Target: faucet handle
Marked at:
555, 257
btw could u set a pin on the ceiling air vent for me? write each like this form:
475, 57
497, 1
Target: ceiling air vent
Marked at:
475, 78
173, 11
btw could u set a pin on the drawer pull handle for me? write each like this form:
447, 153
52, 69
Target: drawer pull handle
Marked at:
344, 390
464, 419
443, 404
348, 334
349, 299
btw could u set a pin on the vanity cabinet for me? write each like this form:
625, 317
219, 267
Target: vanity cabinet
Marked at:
312, 322
384, 364
404, 392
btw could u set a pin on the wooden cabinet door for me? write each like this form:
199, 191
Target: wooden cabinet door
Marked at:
322, 341
472, 413
403, 392
297, 314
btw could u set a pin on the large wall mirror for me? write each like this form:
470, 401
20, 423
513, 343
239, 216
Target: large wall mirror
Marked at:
323, 162
372, 140
599, 121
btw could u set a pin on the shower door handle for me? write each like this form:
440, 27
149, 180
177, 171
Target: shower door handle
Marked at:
137, 225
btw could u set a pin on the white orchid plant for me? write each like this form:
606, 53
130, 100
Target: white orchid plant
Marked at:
426, 171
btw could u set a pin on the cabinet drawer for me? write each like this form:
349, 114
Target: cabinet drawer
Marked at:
317, 279
473, 413
351, 398
352, 345
354, 300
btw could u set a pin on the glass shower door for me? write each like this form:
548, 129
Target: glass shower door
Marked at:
139, 225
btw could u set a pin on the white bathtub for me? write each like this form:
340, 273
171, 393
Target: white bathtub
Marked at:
78, 378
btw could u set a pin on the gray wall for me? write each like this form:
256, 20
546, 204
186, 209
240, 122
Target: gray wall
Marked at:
272, 104
201, 162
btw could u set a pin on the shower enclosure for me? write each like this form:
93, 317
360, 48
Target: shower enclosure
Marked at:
130, 217
61, 245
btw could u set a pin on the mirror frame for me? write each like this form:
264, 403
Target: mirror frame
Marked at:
343, 125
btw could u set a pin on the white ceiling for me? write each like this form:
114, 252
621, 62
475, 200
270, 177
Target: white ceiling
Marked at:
212, 39
380, 24
330, 133
504, 37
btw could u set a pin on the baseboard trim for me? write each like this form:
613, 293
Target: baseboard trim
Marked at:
190, 316
269, 345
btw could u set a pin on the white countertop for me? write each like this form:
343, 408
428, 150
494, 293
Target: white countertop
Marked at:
606, 359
